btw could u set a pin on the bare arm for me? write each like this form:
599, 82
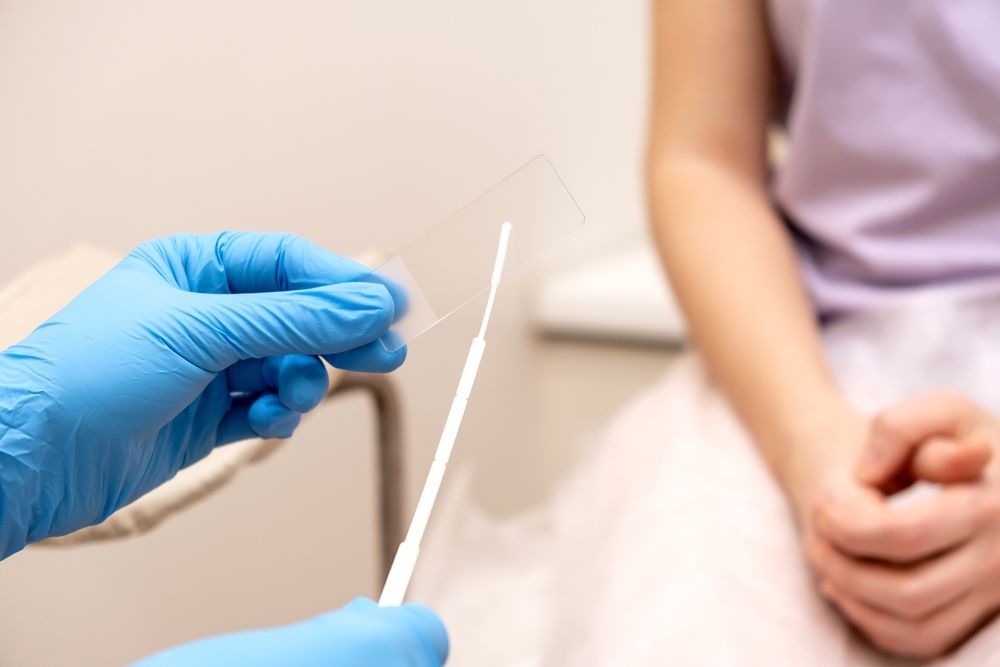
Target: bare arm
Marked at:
728, 255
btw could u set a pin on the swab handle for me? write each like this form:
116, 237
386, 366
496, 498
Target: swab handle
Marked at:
406, 556
399, 575
472, 362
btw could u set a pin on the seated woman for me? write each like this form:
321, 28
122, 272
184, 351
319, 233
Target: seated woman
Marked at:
825, 299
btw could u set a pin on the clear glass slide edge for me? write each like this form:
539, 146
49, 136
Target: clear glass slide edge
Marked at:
450, 265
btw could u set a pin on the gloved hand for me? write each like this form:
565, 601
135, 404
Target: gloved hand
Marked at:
190, 342
361, 634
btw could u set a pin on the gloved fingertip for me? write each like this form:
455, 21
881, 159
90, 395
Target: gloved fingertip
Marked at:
370, 358
430, 627
392, 340
397, 357
302, 382
270, 418
400, 298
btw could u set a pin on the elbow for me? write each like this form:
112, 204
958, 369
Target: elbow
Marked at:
682, 182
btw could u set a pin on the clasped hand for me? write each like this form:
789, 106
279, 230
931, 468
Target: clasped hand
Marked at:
915, 577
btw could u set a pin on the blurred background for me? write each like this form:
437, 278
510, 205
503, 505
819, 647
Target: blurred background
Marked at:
359, 125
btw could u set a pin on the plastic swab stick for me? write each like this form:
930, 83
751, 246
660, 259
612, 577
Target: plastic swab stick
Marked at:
406, 556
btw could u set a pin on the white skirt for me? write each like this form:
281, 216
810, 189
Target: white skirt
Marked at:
671, 544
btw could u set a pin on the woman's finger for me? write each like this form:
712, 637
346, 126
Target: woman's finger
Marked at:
896, 433
922, 639
904, 534
906, 592
946, 460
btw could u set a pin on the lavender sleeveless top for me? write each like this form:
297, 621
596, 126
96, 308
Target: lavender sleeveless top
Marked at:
892, 180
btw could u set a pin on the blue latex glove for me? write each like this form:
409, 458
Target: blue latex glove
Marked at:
361, 634
189, 343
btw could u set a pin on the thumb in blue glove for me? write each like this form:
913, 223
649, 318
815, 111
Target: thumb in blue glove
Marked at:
361, 634
189, 343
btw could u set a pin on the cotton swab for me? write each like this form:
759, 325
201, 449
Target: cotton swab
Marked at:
406, 556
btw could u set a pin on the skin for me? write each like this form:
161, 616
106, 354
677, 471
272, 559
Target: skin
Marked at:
729, 257
920, 578
731, 264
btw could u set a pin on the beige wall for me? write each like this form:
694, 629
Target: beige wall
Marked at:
358, 124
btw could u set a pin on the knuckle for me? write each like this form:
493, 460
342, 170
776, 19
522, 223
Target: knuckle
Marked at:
292, 246
291, 241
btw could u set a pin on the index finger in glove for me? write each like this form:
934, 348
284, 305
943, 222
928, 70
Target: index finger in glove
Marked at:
253, 262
